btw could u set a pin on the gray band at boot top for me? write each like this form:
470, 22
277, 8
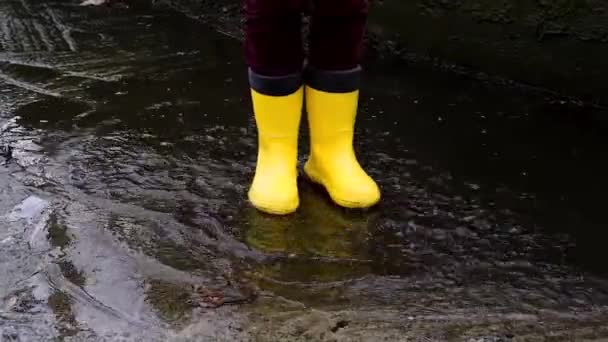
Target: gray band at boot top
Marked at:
343, 81
275, 85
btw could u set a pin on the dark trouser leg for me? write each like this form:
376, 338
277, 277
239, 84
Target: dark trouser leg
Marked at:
273, 39
336, 33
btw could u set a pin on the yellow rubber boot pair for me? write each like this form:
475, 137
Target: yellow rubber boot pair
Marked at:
277, 104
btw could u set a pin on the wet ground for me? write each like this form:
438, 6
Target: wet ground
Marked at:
128, 145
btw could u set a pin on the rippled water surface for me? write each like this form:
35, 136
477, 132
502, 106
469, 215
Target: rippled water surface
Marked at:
127, 146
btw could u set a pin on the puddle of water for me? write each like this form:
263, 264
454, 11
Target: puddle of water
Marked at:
132, 150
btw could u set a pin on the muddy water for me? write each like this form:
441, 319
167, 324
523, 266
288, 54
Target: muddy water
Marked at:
127, 148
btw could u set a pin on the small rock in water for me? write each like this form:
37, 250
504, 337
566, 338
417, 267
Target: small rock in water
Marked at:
92, 2
6, 152
473, 186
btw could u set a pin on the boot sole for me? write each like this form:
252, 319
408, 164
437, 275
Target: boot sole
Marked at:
269, 209
310, 175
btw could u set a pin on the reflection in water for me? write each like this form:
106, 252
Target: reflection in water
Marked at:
57, 232
172, 302
319, 230
71, 273
61, 304
320, 245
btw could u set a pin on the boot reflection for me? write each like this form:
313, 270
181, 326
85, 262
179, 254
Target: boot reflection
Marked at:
321, 242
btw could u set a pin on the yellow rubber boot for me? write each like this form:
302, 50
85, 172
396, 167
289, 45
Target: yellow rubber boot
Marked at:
332, 162
274, 188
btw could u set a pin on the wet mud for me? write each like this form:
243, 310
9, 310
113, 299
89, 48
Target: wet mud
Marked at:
128, 145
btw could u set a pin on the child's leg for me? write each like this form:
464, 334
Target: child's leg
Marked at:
336, 33
332, 93
273, 38
274, 55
